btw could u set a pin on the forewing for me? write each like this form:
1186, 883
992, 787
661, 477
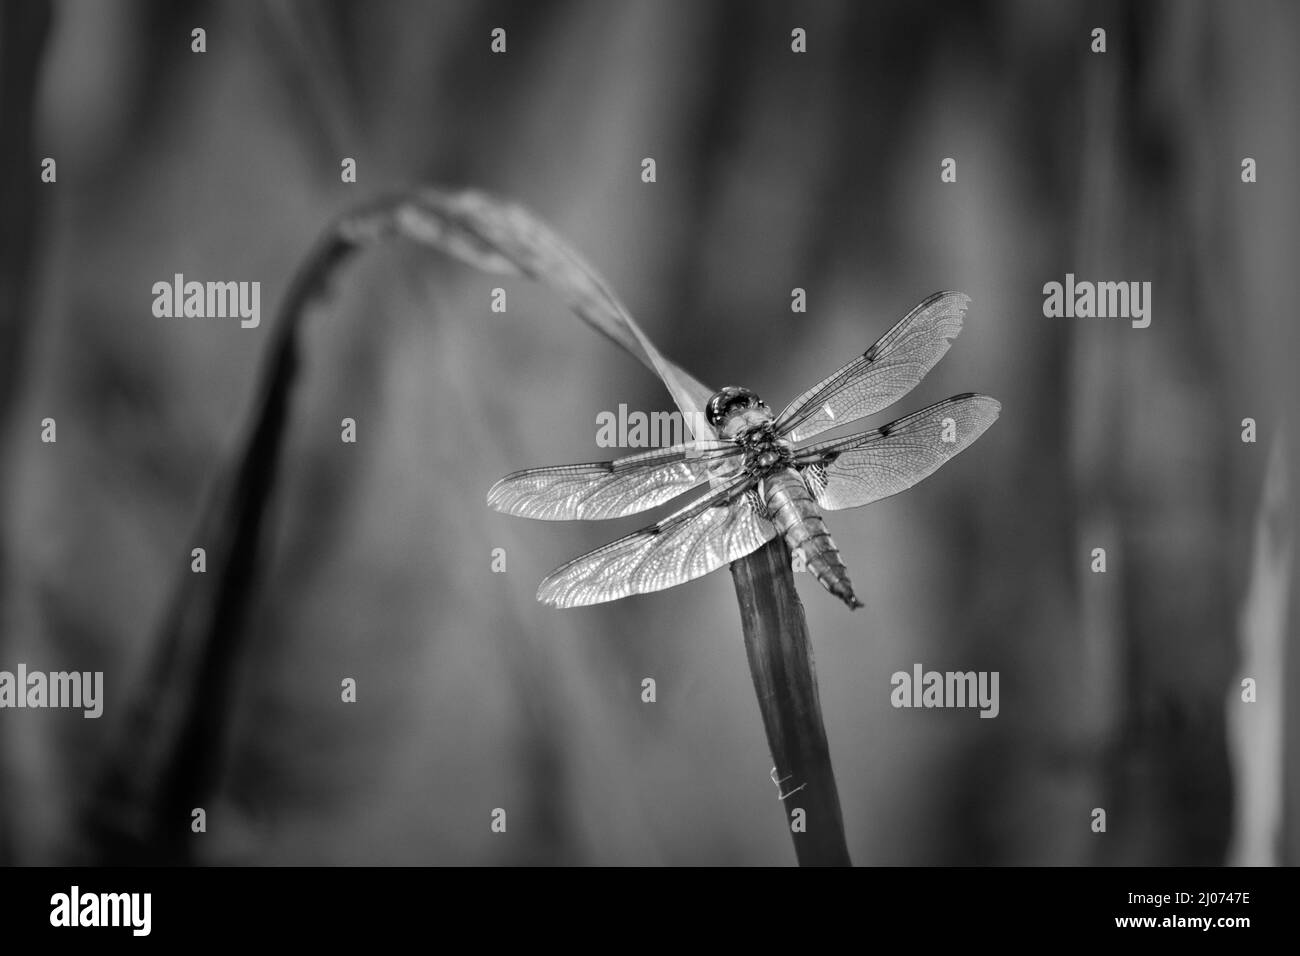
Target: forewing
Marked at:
716, 530
609, 489
860, 469
882, 374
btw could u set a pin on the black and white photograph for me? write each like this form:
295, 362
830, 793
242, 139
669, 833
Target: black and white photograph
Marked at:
649, 434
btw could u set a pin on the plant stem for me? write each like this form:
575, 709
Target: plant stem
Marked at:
781, 662
168, 756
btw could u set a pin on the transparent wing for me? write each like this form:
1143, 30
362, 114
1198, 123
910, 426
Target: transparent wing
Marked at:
609, 489
716, 530
882, 374
860, 469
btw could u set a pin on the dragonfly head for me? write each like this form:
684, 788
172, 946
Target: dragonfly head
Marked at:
733, 410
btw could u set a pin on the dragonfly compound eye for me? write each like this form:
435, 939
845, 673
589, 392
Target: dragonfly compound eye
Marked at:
726, 400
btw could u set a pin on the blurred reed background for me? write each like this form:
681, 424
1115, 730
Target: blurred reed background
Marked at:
775, 170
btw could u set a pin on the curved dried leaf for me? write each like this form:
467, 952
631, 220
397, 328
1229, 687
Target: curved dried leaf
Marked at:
504, 237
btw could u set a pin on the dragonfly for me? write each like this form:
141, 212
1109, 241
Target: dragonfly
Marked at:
763, 481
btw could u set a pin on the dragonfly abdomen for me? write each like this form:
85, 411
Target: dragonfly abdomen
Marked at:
797, 517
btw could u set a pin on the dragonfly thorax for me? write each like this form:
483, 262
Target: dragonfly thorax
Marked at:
764, 450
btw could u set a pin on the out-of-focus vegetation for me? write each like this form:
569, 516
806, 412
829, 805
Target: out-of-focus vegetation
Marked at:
775, 170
